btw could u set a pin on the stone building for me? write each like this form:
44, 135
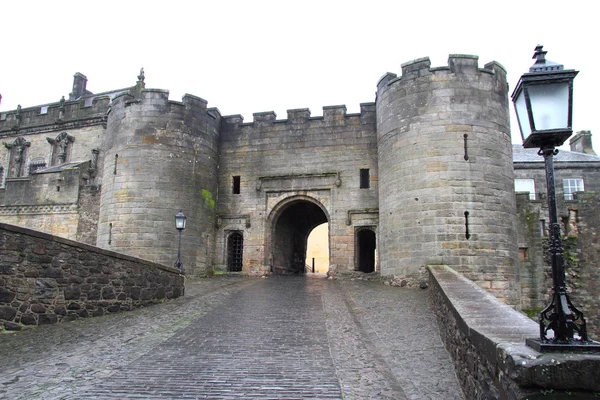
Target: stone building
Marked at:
422, 175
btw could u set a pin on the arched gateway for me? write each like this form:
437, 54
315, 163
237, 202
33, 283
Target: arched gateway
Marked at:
289, 226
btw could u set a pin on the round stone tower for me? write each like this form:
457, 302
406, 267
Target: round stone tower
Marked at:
446, 191
161, 157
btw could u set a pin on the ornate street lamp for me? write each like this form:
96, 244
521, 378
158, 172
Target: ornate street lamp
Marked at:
180, 221
543, 102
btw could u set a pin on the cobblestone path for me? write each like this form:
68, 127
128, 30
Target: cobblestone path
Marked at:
239, 338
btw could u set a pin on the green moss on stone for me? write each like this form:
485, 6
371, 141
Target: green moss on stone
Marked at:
208, 199
533, 313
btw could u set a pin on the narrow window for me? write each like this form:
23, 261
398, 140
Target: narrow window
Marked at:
467, 234
466, 156
236, 184
116, 159
364, 178
523, 254
571, 186
110, 233
544, 231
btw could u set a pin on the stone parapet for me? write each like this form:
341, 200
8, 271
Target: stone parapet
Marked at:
89, 111
486, 340
46, 279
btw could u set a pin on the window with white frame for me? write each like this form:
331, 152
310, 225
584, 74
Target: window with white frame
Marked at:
571, 186
525, 185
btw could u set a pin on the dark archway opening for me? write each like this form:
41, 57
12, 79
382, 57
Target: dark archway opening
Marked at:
366, 246
290, 236
235, 251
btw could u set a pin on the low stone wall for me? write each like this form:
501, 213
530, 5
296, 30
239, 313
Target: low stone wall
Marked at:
45, 279
486, 340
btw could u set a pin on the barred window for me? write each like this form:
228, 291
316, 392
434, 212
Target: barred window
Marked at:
36, 165
235, 251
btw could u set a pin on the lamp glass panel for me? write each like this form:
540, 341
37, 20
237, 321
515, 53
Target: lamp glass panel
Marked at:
550, 105
521, 109
180, 220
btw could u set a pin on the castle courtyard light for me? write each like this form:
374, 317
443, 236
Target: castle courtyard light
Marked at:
543, 101
180, 222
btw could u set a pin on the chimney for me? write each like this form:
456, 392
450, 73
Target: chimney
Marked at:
582, 143
79, 84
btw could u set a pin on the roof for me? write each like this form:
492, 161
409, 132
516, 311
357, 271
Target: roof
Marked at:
61, 167
523, 155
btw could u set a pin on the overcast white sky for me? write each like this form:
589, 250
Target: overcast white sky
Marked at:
252, 56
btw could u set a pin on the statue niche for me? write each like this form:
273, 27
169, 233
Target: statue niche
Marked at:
18, 153
61, 146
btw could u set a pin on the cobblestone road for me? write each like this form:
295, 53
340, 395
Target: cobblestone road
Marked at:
238, 338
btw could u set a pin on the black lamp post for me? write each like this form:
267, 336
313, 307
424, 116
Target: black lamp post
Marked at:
180, 221
543, 102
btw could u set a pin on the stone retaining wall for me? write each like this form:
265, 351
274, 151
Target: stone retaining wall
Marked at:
45, 279
486, 340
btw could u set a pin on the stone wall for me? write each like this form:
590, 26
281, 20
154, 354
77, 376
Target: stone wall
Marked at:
582, 258
486, 340
45, 279
580, 223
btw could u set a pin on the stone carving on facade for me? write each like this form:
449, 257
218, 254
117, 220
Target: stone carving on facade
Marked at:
61, 108
17, 149
93, 170
60, 146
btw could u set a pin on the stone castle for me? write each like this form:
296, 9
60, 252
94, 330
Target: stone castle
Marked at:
423, 175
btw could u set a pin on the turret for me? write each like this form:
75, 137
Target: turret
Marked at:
445, 172
161, 157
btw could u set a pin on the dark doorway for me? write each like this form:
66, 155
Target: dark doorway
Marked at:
366, 245
290, 235
235, 251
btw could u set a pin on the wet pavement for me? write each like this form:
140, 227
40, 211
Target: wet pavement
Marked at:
242, 338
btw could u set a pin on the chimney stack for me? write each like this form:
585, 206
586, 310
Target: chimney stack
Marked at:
79, 84
582, 143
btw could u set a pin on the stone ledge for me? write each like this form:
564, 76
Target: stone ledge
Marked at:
476, 321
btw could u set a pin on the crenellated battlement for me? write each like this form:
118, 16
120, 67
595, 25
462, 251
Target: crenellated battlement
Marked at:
63, 114
155, 102
457, 64
300, 118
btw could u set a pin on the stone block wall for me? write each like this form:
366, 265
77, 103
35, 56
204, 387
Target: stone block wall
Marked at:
531, 236
580, 223
45, 279
486, 340
582, 258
